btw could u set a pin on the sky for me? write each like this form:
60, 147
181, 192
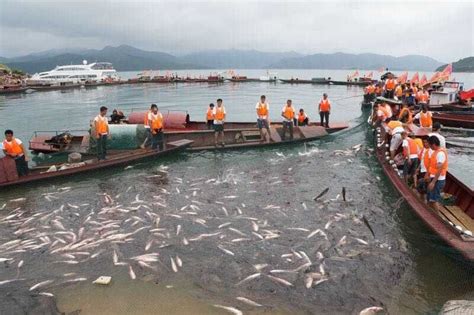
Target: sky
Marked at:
443, 30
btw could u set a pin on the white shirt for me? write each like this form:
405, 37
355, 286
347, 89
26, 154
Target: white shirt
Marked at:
284, 109
148, 118
214, 111
440, 158
442, 139
422, 160
258, 106
398, 130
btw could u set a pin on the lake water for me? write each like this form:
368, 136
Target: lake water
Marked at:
404, 268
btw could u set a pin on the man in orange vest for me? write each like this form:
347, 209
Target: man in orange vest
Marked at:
324, 109
410, 154
262, 109
288, 114
303, 119
13, 148
148, 137
101, 132
389, 87
210, 117
425, 117
424, 158
437, 170
219, 119
156, 124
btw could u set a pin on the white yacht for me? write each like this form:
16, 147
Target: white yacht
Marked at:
77, 74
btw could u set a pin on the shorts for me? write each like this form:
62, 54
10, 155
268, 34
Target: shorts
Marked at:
409, 170
262, 123
395, 142
218, 127
435, 194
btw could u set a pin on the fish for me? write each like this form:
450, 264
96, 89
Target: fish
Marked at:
226, 250
46, 294
321, 281
146, 257
20, 264
238, 231
254, 226
76, 280
342, 241
344, 193
131, 273
5, 259
328, 225
179, 262
10, 280
148, 245
224, 225
247, 301
185, 241
308, 281
251, 277
280, 280
321, 194
173, 265
232, 310
41, 284
178, 229
361, 241
366, 222
115, 257
371, 310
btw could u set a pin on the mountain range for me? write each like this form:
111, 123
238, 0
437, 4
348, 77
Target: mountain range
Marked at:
127, 58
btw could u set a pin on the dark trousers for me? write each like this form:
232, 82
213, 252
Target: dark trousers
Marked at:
21, 165
287, 125
324, 116
389, 94
304, 122
148, 137
210, 124
157, 140
102, 147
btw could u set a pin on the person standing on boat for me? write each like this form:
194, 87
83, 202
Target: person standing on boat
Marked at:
405, 115
425, 117
303, 119
395, 130
13, 148
288, 114
399, 92
219, 118
389, 87
101, 132
156, 126
210, 117
436, 175
423, 97
410, 154
146, 124
262, 109
324, 109
424, 158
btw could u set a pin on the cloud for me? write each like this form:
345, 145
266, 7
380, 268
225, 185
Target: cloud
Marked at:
441, 29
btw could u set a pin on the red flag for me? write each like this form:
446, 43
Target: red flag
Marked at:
435, 77
415, 79
370, 75
446, 73
423, 80
382, 69
403, 78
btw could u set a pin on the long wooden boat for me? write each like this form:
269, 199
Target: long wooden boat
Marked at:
9, 177
54, 87
237, 134
243, 79
463, 119
296, 81
12, 89
455, 223
350, 83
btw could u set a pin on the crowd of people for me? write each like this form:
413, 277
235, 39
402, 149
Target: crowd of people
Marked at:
425, 161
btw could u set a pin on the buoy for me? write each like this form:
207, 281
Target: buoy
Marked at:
467, 232
387, 158
458, 228
386, 145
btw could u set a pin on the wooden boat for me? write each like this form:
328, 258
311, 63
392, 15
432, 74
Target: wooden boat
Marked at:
455, 222
13, 89
9, 177
243, 79
237, 134
320, 80
464, 119
215, 79
350, 83
296, 81
54, 86
54, 142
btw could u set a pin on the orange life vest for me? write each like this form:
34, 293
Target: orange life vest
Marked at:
390, 84
12, 147
262, 109
412, 146
101, 125
145, 119
433, 165
370, 89
402, 113
419, 143
415, 89
156, 121
301, 117
424, 156
424, 97
325, 106
219, 113
394, 124
289, 112
210, 114
426, 120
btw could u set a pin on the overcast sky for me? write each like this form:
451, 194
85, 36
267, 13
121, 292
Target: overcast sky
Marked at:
443, 30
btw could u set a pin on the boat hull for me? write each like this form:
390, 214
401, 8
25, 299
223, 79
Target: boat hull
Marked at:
463, 120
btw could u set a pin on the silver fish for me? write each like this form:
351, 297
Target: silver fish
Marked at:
41, 284
232, 310
280, 280
131, 273
173, 265
251, 277
225, 250
248, 301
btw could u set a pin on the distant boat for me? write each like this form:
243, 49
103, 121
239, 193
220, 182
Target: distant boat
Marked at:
75, 74
270, 77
